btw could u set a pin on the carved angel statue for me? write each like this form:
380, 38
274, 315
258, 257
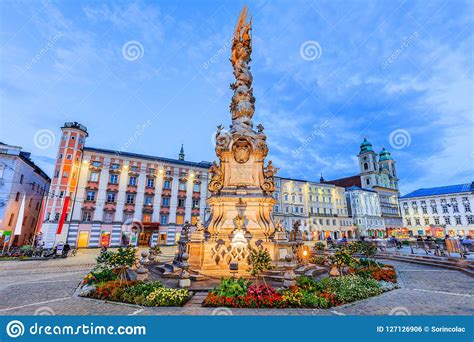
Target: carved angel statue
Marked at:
260, 128
199, 225
216, 171
279, 226
296, 226
270, 170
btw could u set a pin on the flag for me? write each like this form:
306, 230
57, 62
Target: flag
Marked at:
63, 215
19, 221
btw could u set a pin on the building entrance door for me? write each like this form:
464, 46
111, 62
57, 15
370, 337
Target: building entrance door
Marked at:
83, 239
144, 239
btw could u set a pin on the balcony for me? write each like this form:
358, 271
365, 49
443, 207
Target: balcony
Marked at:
132, 189
92, 185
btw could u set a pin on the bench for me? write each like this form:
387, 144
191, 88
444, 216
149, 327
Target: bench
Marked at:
427, 246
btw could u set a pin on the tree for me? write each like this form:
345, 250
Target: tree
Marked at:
118, 261
260, 261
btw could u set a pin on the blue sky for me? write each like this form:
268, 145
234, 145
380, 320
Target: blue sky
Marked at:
326, 75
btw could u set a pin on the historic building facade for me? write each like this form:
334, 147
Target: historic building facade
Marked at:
440, 211
22, 186
321, 208
364, 208
378, 172
105, 197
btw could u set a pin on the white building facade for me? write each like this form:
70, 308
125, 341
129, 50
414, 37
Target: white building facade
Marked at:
321, 208
364, 208
22, 187
440, 211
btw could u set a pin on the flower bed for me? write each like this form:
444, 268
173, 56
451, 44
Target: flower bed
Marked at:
110, 281
141, 293
307, 293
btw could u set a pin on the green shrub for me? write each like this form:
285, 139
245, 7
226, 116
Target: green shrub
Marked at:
137, 294
309, 284
230, 287
351, 288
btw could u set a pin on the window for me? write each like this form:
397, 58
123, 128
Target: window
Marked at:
408, 222
94, 177
150, 182
417, 221
65, 174
90, 196
132, 181
182, 186
434, 209
179, 219
424, 210
61, 194
108, 216
130, 198
447, 220
146, 217
407, 212
445, 209
17, 197
21, 179
458, 219
436, 220
87, 216
467, 207
96, 163
111, 197
286, 197
10, 221
427, 221
113, 179
73, 137
165, 201
167, 184
277, 209
148, 200
69, 157
415, 210
164, 219
470, 219
197, 187
115, 166
367, 181
195, 203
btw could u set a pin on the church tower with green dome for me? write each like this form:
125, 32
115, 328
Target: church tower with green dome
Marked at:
367, 164
387, 170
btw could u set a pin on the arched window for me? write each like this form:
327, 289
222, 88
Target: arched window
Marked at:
366, 166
